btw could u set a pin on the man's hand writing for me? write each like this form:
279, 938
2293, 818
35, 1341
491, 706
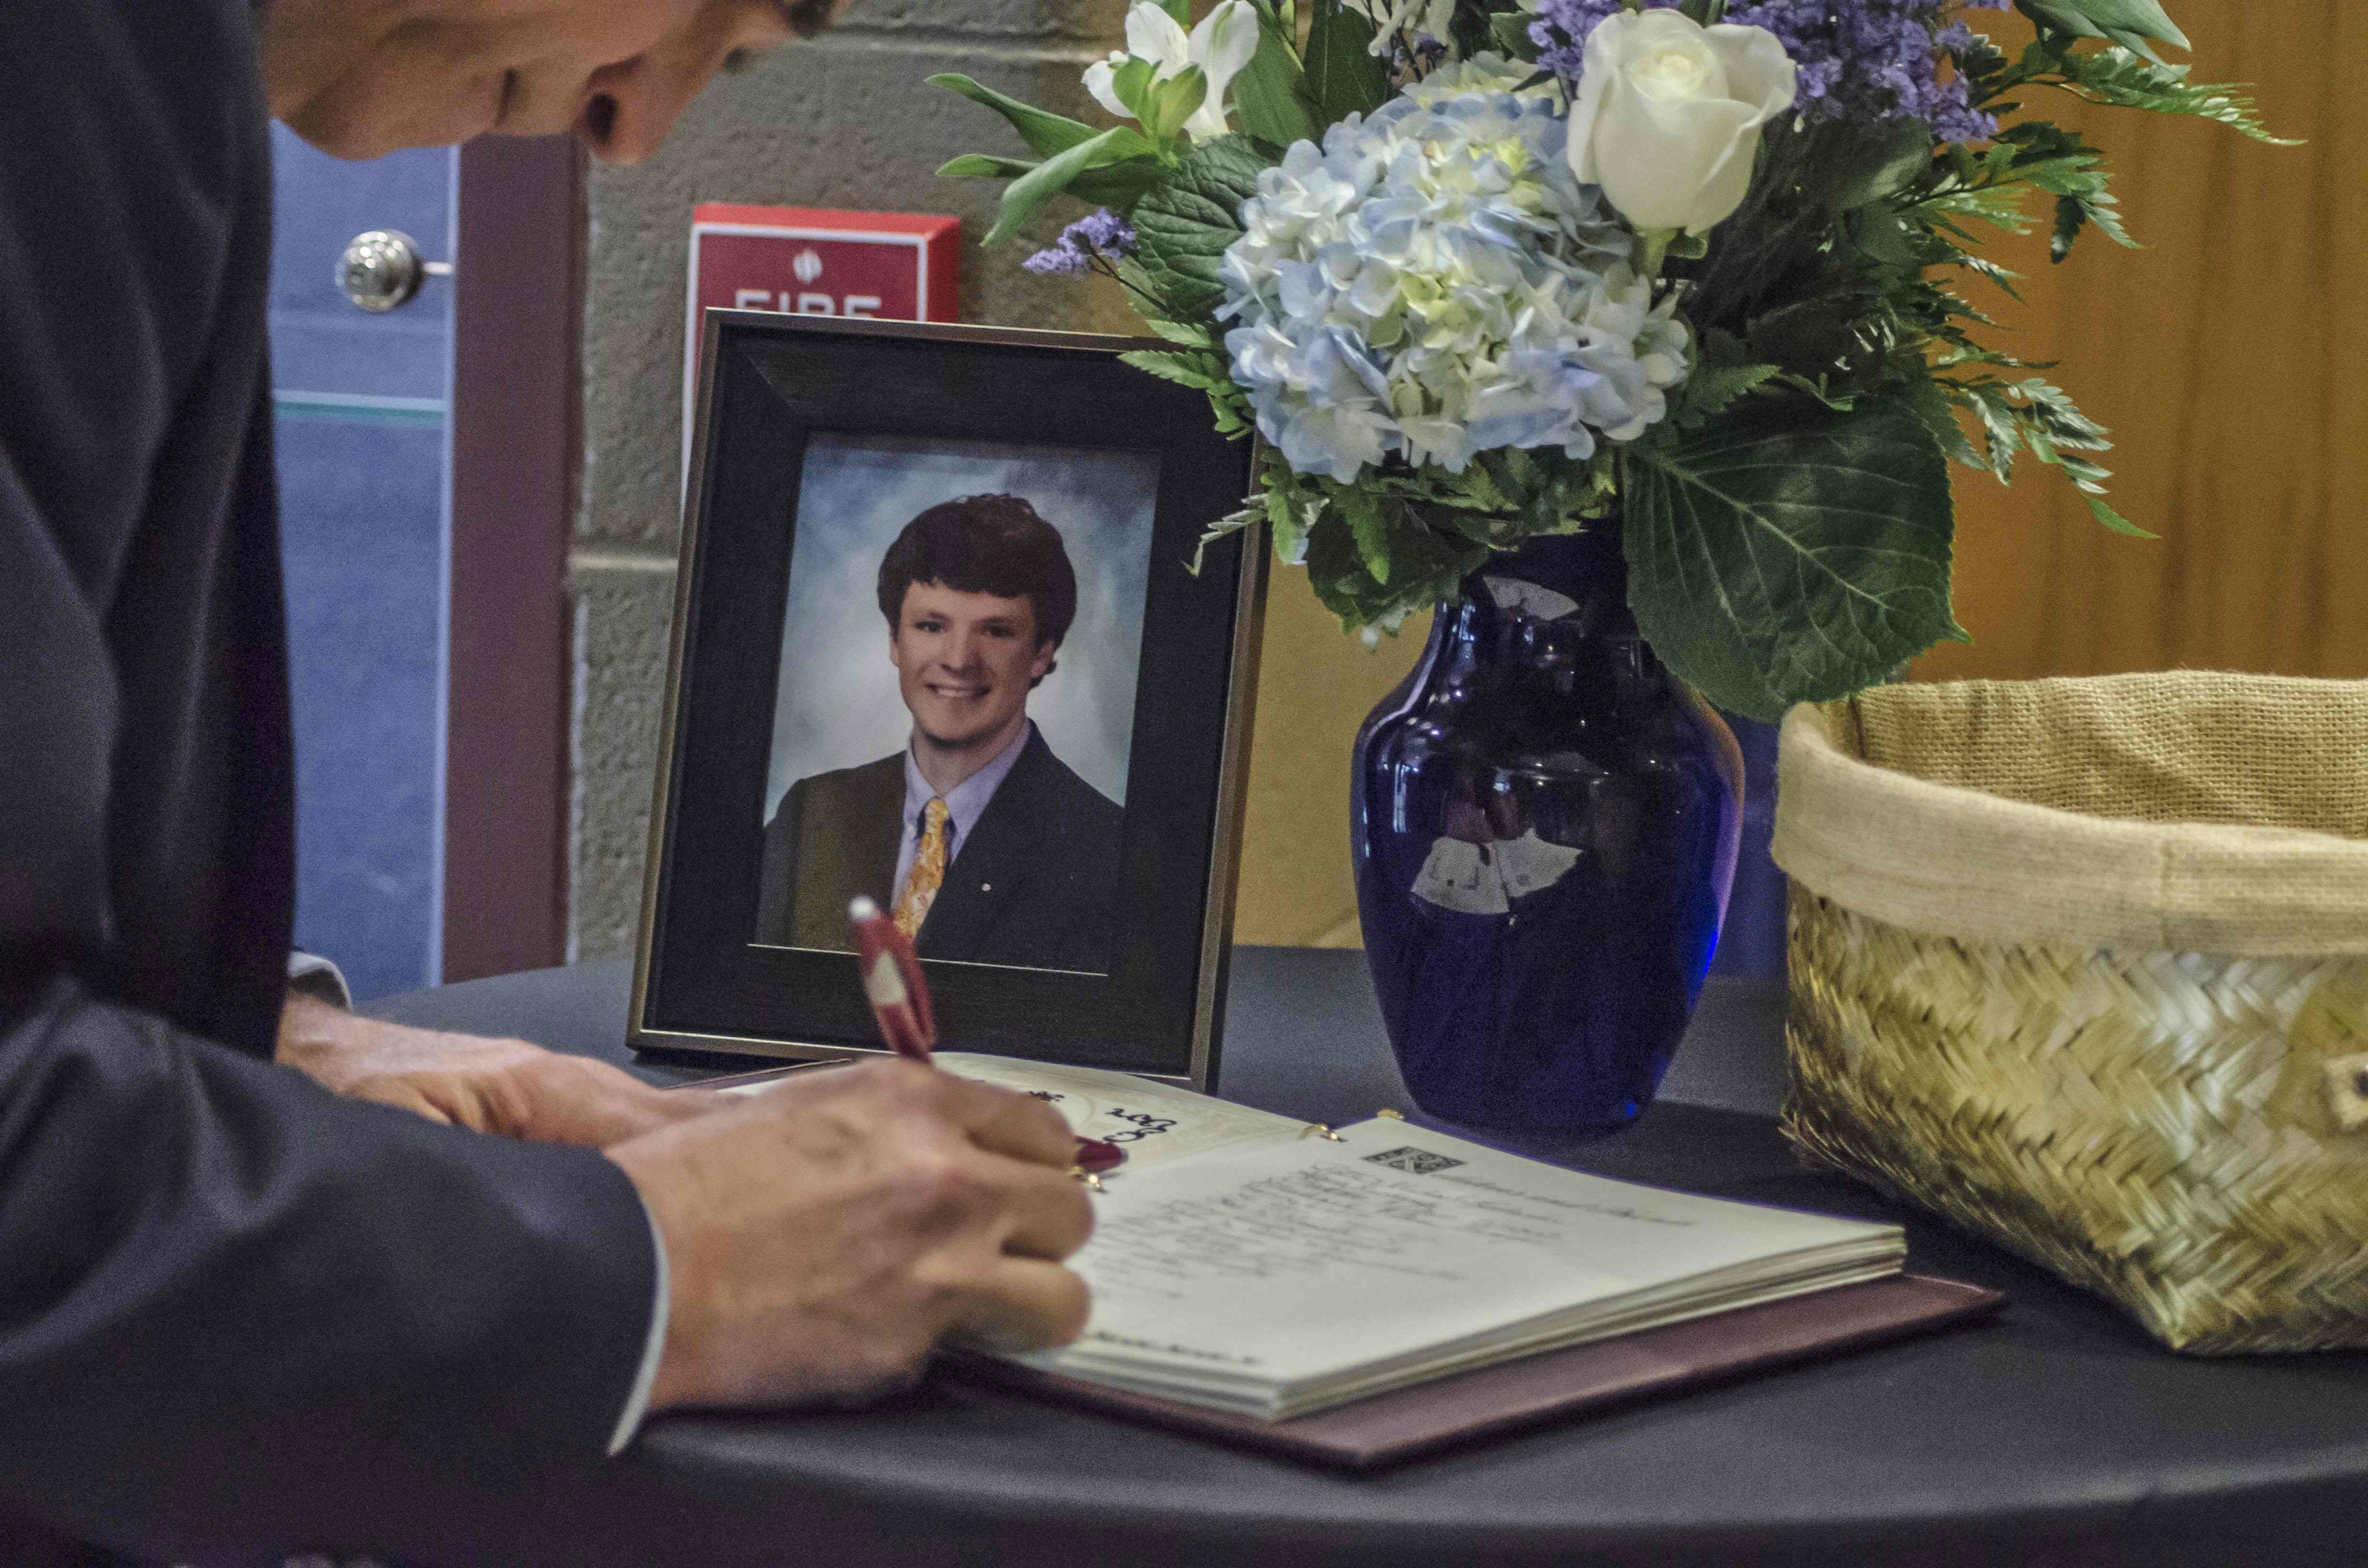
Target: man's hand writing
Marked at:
822, 1236
503, 1087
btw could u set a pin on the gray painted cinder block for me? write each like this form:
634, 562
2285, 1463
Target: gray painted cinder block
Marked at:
844, 121
623, 613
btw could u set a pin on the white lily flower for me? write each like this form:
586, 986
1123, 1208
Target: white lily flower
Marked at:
1220, 46
1390, 17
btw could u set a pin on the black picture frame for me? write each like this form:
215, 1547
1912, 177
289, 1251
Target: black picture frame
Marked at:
769, 383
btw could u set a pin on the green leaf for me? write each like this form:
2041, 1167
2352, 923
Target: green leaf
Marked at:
1344, 75
1118, 185
1182, 228
1289, 532
1190, 335
1289, 511
1131, 84
2059, 163
1509, 30
1425, 567
1885, 168
2129, 23
1929, 400
2001, 206
1791, 554
1047, 134
981, 166
1269, 101
1168, 104
2114, 520
1724, 371
1982, 267
2001, 431
1712, 387
1223, 528
1179, 9
1370, 529
1181, 368
2119, 77
1049, 178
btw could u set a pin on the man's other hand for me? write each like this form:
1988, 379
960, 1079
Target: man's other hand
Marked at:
820, 1237
503, 1087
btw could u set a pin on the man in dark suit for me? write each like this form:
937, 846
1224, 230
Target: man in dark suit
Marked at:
271, 1283
997, 852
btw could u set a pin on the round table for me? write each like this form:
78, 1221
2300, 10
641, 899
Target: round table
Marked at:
2055, 1433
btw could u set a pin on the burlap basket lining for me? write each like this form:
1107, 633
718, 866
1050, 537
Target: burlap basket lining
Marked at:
2186, 811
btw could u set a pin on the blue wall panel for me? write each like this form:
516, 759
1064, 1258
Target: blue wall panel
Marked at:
365, 580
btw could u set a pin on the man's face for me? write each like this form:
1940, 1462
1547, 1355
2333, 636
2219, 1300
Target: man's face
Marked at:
964, 661
361, 77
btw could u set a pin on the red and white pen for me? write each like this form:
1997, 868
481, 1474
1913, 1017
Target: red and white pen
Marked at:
899, 996
891, 980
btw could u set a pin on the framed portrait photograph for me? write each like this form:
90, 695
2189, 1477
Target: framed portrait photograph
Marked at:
938, 642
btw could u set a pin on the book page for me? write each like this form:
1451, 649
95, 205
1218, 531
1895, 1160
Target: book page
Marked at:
1296, 1260
1153, 1122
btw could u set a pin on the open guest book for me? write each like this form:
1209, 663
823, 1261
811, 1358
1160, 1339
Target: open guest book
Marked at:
1360, 1295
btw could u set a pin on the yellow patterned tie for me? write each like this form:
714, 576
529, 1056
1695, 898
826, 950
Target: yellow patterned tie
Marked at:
929, 872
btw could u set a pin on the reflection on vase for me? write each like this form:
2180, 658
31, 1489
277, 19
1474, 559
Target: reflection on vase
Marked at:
1544, 828
1751, 938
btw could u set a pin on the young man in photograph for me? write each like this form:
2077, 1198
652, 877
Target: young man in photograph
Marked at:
990, 847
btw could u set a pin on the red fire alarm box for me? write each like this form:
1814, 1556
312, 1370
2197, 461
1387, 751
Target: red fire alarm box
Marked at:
818, 262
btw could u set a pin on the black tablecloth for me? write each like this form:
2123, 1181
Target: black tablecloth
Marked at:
2058, 1434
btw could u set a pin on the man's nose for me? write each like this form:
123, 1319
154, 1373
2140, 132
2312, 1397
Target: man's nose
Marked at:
961, 651
633, 107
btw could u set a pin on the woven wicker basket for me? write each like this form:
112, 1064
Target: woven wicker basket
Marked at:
2083, 967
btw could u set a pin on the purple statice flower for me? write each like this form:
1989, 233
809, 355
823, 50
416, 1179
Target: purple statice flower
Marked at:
1100, 233
1859, 60
1561, 32
1059, 260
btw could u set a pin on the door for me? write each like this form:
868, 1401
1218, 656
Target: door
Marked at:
361, 404
426, 458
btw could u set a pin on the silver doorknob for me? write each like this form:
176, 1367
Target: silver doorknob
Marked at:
382, 269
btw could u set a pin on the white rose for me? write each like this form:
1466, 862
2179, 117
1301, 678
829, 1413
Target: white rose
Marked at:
1669, 115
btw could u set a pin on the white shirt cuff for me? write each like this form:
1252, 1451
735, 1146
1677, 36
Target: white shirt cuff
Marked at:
637, 1403
309, 974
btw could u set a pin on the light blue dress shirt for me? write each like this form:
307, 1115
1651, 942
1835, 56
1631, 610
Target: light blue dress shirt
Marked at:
964, 802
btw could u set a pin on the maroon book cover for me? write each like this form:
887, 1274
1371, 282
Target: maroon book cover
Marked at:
1553, 1385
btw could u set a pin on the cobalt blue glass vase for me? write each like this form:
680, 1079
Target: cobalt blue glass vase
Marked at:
1544, 824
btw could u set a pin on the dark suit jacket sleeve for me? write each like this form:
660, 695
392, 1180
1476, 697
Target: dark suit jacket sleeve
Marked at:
238, 1316
235, 1309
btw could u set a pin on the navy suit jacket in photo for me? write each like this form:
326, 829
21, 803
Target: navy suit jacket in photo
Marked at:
1035, 884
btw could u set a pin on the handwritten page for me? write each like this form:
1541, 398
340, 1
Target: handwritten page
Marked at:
1153, 1122
1278, 1264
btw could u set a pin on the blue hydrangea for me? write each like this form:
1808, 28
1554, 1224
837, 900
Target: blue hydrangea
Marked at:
1861, 59
1433, 282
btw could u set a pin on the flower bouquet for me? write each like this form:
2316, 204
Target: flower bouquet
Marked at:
1639, 336
1698, 273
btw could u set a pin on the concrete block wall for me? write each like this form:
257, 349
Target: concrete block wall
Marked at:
843, 120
